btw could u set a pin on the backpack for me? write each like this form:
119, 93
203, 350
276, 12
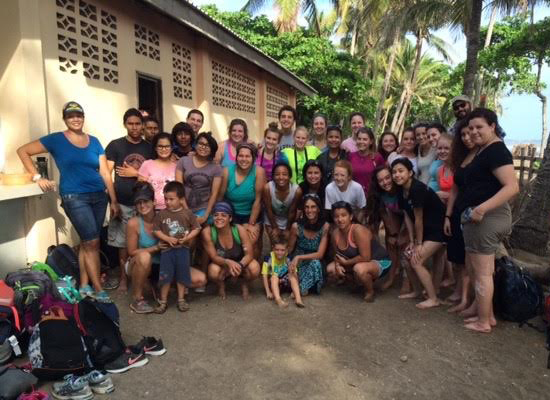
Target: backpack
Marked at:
517, 296
64, 261
99, 325
29, 287
56, 347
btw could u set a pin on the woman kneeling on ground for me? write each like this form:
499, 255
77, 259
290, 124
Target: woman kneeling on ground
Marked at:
357, 253
230, 250
308, 243
144, 248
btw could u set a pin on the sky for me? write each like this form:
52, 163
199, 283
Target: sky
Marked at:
521, 115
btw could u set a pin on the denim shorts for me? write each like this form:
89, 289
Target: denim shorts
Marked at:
86, 211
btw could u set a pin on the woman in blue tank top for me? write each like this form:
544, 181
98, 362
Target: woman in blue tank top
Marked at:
144, 249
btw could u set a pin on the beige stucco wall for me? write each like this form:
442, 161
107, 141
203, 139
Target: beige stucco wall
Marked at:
34, 90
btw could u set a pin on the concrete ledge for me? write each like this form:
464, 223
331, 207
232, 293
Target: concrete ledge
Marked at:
19, 191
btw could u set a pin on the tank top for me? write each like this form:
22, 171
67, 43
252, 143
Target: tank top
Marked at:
281, 207
228, 159
236, 252
241, 196
145, 240
351, 250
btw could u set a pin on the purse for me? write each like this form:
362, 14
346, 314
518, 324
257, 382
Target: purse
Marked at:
14, 381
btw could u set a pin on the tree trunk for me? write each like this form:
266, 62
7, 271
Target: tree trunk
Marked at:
479, 80
399, 107
543, 100
532, 231
472, 47
353, 39
412, 85
386, 86
385, 120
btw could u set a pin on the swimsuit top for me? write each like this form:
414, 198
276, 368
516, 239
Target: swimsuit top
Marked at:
228, 159
236, 252
145, 240
351, 250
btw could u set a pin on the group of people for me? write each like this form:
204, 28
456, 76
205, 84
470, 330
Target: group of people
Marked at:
188, 209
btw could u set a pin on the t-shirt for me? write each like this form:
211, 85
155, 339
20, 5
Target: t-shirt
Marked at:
433, 183
158, 176
78, 167
121, 151
198, 182
297, 160
421, 196
363, 167
391, 202
272, 265
354, 195
175, 223
424, 163
349, 145
328, 163
479, 182
286, 141
394, 156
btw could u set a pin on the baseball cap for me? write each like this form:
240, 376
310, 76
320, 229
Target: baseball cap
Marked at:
461, 98
72, 107
143, 191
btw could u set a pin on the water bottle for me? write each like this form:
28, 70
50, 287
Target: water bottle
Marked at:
42, 167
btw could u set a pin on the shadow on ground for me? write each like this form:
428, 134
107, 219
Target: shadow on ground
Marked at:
337, 348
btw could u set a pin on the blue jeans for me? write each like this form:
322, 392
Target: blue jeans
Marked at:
86, 211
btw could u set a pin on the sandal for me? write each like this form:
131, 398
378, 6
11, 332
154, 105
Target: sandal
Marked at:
161, 308
183, 305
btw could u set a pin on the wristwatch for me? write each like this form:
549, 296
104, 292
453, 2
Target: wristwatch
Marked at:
36, 177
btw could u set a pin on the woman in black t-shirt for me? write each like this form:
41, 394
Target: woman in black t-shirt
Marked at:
489, 183
424, 216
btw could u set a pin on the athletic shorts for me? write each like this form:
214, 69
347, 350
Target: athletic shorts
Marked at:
117, 227
175, 265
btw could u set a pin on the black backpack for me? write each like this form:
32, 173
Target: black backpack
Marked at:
56, 347
98, 323
517, 297
64, 261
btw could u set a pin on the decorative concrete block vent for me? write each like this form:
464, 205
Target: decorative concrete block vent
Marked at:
274, 100
181, 72
87, 40
147, 42
232, 89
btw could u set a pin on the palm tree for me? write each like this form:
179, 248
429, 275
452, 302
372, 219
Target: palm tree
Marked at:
288, 11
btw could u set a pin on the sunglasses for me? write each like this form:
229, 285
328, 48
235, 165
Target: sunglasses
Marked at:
458, 106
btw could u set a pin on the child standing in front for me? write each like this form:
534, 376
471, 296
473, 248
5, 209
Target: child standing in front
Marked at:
176, 227
276, 274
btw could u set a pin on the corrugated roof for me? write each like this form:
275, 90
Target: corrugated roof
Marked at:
194, 18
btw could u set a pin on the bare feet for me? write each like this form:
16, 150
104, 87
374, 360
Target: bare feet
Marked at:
245, 292
123, 286
448, 283
221, 292
453, 298
492, 320
411, 295
457, 308
369, 297
386, 285
281, 303
428, 304
468, 312
478, 327
299, 304
405, 287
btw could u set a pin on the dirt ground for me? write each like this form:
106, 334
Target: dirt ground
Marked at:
337, 348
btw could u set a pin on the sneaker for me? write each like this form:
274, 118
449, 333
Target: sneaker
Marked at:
102, 297
72, 388
201, 289
86, 291
126, 361
150, 346
141, 307
99, 383
111, 283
